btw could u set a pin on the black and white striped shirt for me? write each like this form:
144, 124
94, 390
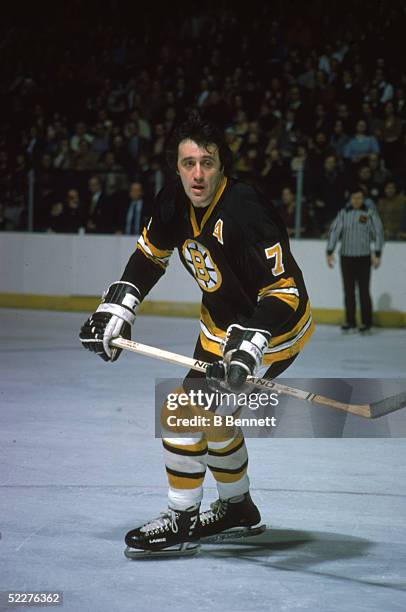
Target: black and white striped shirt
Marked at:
356, 228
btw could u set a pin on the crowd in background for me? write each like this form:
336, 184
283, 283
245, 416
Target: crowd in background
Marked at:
90, 101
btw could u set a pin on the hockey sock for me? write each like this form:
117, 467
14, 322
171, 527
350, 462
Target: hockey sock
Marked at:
228, 461
185, 462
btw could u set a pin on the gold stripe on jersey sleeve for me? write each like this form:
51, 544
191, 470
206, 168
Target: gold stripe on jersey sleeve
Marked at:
158, 256
295, 346
284, 289
280, 347
154, 250
196, 229
276, 340
210, 334
210, 324
291, 299
282, 283
153, 259
289, 344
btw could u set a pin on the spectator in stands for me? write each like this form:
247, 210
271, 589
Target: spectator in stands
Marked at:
274, 174
159, 139
134, 211
135, 144
364, 182
74, 212
151, 175
64, 156
2, 218
101, 214
79, 135
328, 193
385, 89
321, 120
344, 77
339, 139
84, 159
379, 173
287, 210
234, 141
392, 210
51, 141
389, 135
296, 103
101, 141
56, 221
373, 122
19, 194
399, 102
343, 114
46, 191
203, 93
114, 176
144, 128
361, 145
399, 173
120, 152
34, 146
288, 136
348, 93
318, 148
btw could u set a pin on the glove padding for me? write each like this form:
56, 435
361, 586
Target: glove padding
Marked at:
113, 318
243, 349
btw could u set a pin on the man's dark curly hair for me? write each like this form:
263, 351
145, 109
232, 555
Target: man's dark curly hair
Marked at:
203, 134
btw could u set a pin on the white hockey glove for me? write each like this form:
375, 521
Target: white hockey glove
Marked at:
243, 349
113, 318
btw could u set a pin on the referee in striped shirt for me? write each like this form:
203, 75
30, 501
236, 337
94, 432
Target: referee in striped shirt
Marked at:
357, 226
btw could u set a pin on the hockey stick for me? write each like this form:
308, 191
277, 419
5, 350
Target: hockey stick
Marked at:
367, 411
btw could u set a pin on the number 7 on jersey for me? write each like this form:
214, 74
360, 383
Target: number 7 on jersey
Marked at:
276, 251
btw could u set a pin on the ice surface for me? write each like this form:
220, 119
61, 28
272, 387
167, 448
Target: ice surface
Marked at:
79, 466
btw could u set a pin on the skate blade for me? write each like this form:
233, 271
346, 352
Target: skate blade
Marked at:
186, 549
234, 534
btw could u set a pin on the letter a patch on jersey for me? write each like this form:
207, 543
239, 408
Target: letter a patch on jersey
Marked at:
218, 231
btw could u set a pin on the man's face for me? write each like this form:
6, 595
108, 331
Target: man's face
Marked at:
373, 162
287, 196
357, 199
361, 127
94, 185
390, 190
330, 163
365, 174
200, 172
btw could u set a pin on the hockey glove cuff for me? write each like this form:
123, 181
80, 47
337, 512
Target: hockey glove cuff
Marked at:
243, 349
113, 318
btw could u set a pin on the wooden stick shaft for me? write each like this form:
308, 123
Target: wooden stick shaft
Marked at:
362, 410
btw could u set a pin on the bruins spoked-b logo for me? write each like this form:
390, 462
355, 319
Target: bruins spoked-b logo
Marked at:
202, 265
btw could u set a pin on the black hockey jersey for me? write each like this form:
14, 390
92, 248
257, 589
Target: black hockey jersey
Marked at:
237, 249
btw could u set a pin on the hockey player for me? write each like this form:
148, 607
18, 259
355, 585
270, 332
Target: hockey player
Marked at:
254, 312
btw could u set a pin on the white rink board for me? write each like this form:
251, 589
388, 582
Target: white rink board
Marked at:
51, 264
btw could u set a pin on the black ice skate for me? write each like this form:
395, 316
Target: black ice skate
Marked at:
173, 533
233, 518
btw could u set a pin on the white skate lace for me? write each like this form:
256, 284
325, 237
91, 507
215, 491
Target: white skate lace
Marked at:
217, 510
167, 520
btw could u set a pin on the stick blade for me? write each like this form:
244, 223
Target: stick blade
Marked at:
388, 405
